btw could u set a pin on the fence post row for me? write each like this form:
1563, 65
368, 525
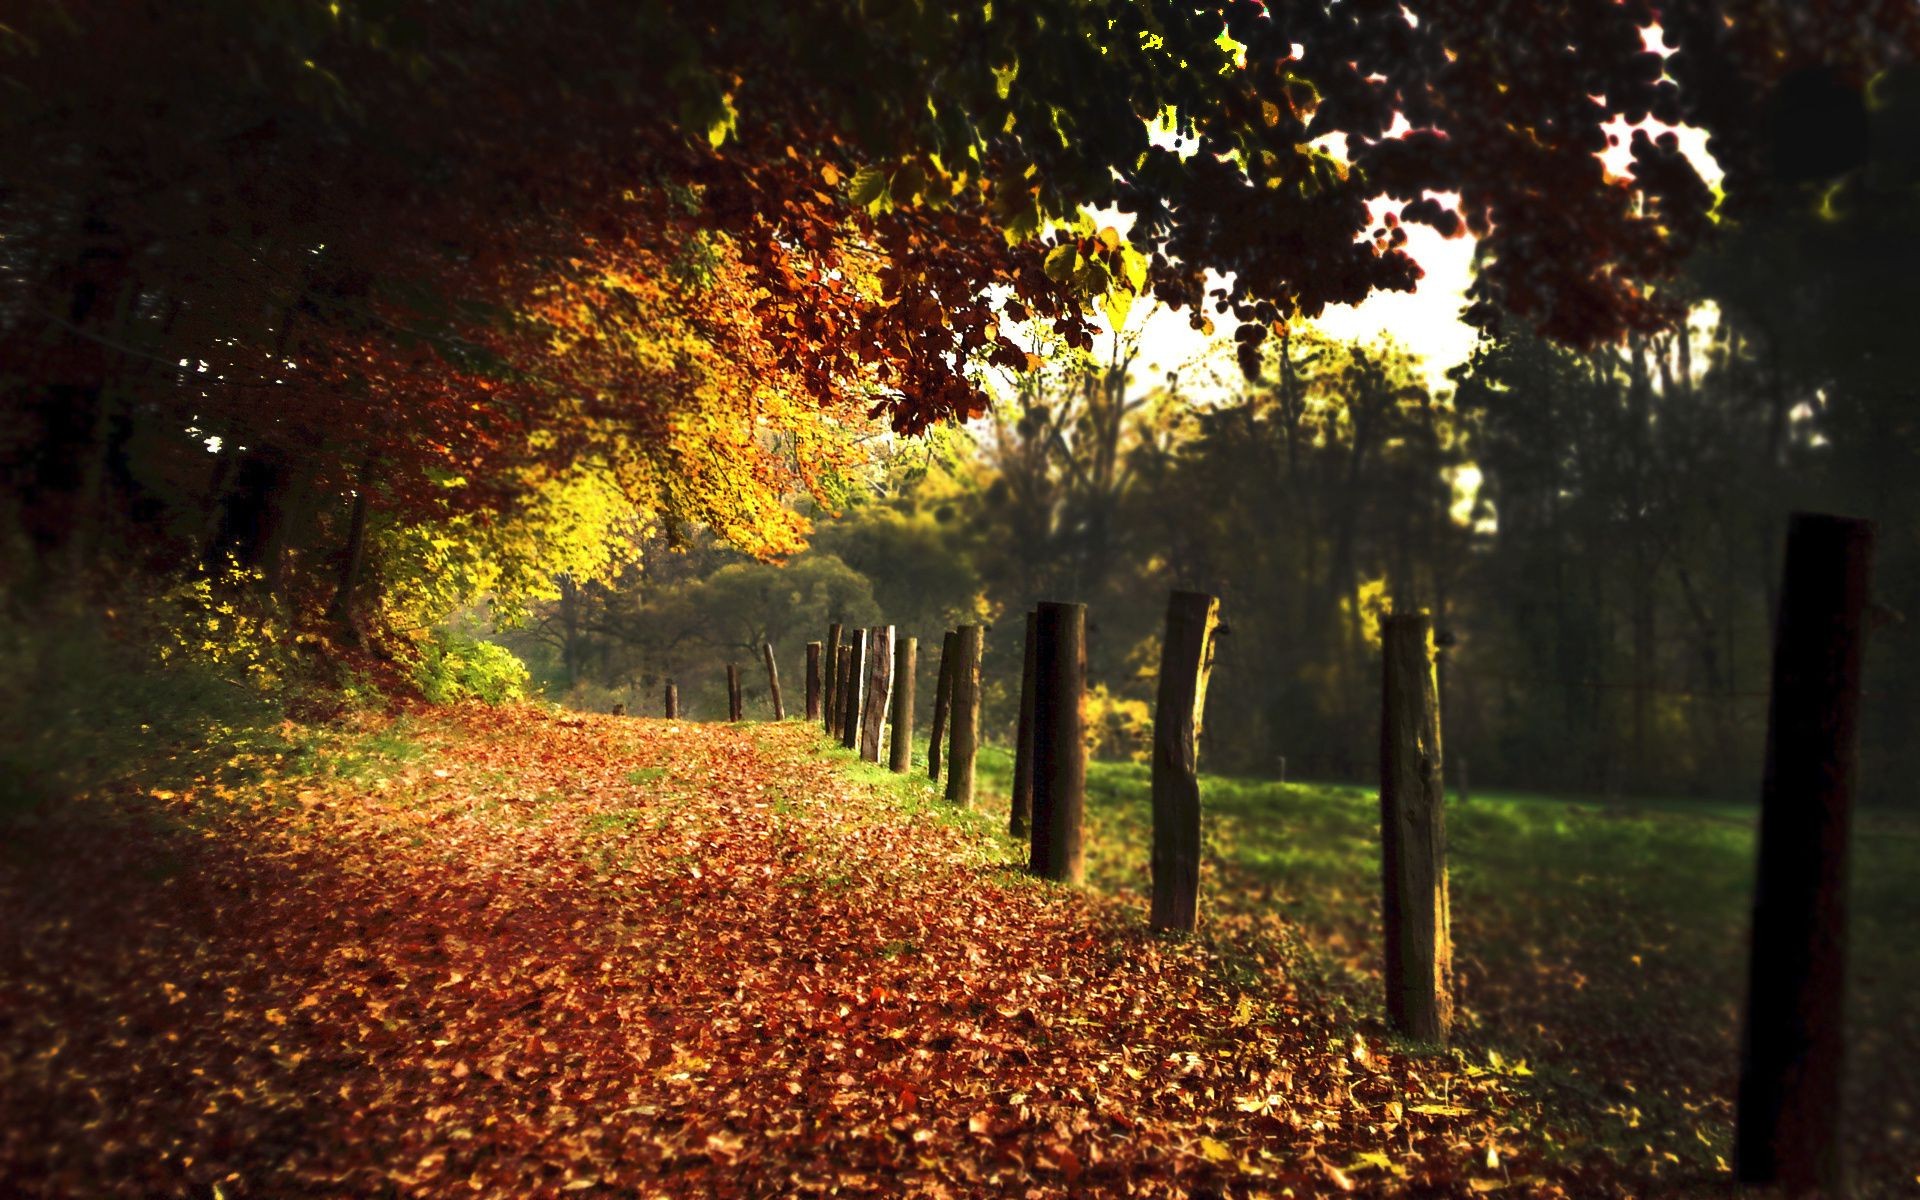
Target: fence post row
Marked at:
1186, 661
850, 684
813, 681
1059, 742
1787, 1123
831, 697
733, 692
1020, 808
901, 751
964, 715
873, 712
1413, 839
942, 702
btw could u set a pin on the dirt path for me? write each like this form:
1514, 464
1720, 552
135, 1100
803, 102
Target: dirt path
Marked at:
525, 955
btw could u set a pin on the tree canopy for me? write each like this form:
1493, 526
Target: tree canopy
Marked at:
443, 254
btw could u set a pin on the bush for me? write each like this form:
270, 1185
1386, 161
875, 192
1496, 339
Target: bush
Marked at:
90, 695
455, 667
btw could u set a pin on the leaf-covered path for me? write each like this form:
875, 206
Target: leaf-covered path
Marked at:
524, 955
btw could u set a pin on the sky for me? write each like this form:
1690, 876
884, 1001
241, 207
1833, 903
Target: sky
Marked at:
1426, 320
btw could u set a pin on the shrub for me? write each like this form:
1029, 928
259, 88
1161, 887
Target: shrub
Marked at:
456, 667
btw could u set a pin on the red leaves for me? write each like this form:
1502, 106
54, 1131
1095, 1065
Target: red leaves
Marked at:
503, 967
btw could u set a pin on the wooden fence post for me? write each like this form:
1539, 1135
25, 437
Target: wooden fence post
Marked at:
672, 701
1413, 834
1788, 1119
1186, 660
813, 681
942, 702
964, 714
873, 713
830, 698
900, 756
773, 681
733, 693
1020, 808
850, 686
837, 710
1059, 742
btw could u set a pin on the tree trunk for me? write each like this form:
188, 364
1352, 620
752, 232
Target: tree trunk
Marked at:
1787, 1127
831, 696
671, 702
942, 702
773, 681
852, 683
1413, 837
873, 711
901, 756
1186, 660
1020, 808
964, 713
733, 693
813, 681
1059, 742
341, 611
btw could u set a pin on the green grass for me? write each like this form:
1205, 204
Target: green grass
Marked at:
1603, 943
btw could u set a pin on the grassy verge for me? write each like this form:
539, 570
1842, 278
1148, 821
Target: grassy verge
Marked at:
1601, 945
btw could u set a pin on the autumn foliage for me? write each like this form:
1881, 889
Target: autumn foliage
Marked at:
528, 954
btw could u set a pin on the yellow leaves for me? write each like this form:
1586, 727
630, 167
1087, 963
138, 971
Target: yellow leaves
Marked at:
1214, 1150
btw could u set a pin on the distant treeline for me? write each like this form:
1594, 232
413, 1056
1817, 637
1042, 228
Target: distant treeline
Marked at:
1598, 532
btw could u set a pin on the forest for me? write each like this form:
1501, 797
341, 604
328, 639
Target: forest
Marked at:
823, 598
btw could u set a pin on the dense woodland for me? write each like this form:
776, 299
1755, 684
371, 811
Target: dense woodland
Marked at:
1608, 569
358, 345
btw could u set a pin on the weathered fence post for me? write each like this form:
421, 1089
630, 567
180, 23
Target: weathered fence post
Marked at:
733, 692
830, 699
850, 685
773, 681
900, 753
1059, 741
813, 681
1413, 835
836, 707
873, 714
1020, 807
1787, 1128
964, 713
671, 703
1186, 660
942, 702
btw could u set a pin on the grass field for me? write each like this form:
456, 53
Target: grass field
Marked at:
1602, 945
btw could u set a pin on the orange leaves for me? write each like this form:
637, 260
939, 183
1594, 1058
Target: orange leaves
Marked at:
503, 969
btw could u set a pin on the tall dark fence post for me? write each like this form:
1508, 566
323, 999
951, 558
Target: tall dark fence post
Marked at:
1413, 835
900, 753
1186, 660
773, 681
1059, 742
831, 698
873, 713
837, 719
942, 702
1020, 808
733, 692
671, 702
964, 713
1788, 1128
813, 681
850, 684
